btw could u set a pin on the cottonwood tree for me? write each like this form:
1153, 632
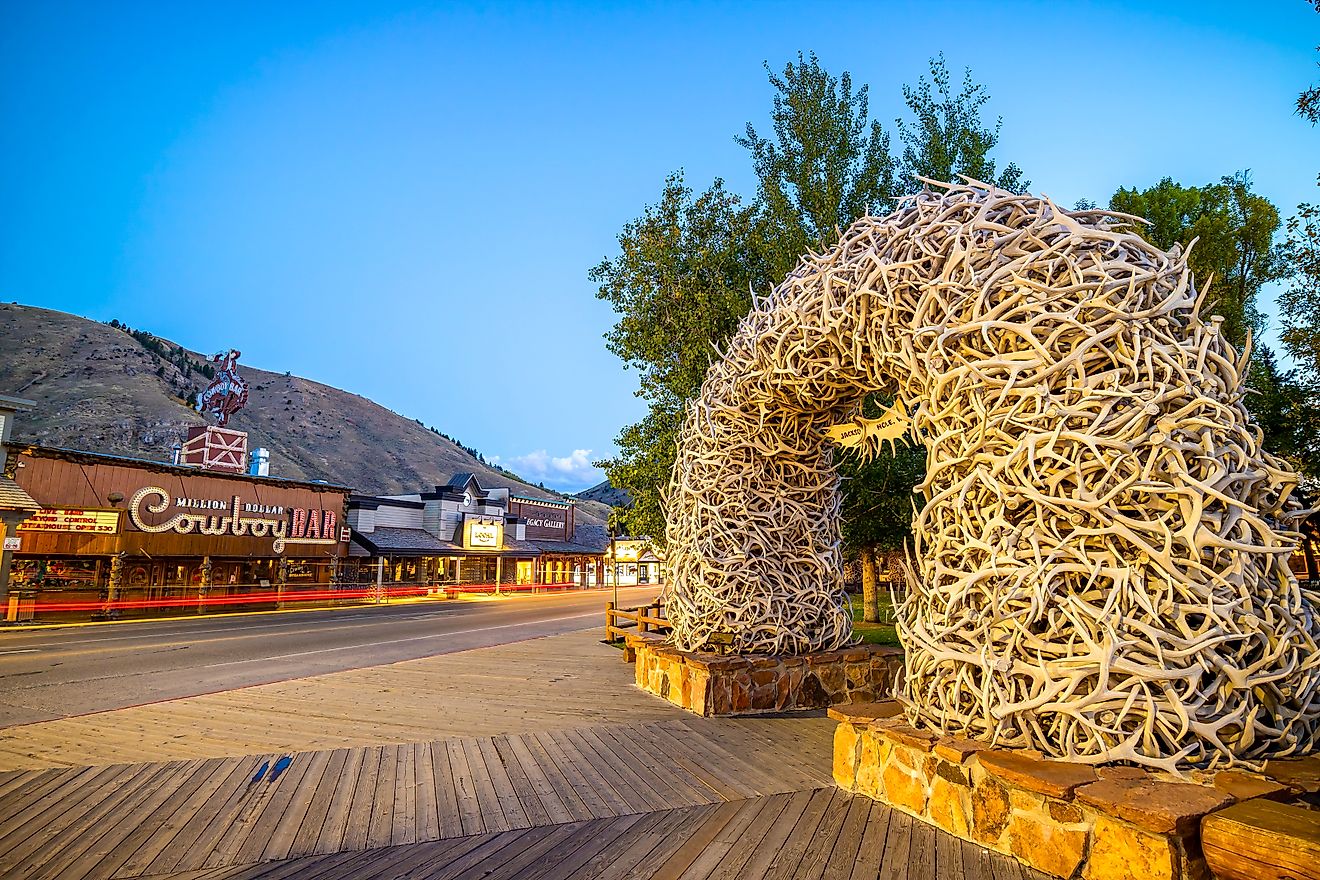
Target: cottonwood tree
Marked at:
680, 282
1235, 252
827, 164
946, 136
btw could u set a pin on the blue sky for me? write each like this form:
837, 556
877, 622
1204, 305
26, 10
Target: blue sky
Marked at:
403, 200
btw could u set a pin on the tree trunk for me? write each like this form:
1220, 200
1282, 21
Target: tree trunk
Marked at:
870, 589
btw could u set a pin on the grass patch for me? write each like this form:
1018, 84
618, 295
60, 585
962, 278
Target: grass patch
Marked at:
874, 633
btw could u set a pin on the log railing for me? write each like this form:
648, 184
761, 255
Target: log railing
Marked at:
619, 622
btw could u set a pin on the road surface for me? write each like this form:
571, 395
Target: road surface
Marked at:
55, 673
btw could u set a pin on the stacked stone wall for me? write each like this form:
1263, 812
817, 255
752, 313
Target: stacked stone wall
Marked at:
1065, 819
736, 684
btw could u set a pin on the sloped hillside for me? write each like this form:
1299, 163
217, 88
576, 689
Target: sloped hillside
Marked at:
101, 389
605, 493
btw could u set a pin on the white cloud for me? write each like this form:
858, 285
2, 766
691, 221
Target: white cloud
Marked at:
568, 473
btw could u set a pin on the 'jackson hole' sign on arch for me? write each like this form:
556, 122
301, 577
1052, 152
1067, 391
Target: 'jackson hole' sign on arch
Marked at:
1101, 560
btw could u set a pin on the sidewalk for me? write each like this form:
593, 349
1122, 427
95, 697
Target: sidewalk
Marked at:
538, 759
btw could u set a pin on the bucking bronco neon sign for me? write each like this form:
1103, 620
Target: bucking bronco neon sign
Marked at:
227, 393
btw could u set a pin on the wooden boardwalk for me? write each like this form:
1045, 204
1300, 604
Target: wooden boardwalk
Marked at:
570, 680
536, 760
681, 798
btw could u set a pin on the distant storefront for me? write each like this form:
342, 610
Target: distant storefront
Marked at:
635, 560
460, 534
118, 534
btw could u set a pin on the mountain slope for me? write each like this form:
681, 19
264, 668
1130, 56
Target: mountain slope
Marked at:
605, 493
101, 389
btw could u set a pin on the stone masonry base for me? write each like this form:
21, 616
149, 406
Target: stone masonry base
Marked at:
1065, 819
738, 684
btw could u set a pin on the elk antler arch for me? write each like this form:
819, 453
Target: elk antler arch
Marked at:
1101, 564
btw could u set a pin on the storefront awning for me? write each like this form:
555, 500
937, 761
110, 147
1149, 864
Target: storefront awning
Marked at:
13, 498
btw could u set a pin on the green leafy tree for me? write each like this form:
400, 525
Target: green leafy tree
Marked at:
827, 164
1235, 251
946, 135
1299, 306
680, 284
1283, 405
1308, 102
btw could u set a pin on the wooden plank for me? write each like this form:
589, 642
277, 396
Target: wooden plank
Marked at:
56, 784
87, 847
738, 778
556, 795
819, 846
701, 837
329, 838
715, 783
303, 840
848, 845
780, 831
948, 856
553, 756
894, 865
12, 781
735, 859
667, 785
976, 861
380, 827
469, 807
639, 858
789, 855
44, 839
567, 858
637, 796
247, 837
208, 820
533, 849
921, 852
676, 773
872, 851
405, 796
290, 819
488, 800
446, 794
149, 842
488, 845
616, 802
510, 806
528, 796
624, 849
1261, 838
358, 826
427, 818
145, 838
710, 857
1004, 867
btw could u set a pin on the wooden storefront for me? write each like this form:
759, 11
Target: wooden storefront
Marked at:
125, 535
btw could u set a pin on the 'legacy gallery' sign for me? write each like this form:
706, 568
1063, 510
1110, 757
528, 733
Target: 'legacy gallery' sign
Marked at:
233, 517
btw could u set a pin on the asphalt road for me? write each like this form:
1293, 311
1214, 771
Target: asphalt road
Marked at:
55, 673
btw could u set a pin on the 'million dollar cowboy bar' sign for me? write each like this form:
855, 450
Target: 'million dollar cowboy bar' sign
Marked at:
302, 526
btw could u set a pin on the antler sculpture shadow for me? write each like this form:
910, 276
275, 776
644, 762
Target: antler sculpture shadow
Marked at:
1101, 565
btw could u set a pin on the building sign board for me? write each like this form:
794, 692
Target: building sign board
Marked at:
483, 533
13, 544
84, 522
153, 510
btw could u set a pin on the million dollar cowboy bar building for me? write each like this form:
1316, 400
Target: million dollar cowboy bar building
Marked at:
125, 536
